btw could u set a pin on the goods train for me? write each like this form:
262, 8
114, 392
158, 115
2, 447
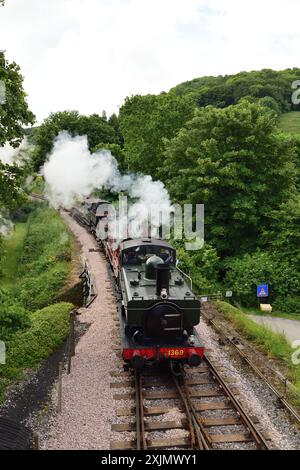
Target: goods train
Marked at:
157, 308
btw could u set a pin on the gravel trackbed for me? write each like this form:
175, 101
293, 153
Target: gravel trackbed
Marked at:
87, 405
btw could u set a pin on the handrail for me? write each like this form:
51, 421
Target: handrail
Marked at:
187, 276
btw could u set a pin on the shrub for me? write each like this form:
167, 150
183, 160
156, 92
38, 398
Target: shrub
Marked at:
44, 263
27, 348
201, 265
282, 275
13, 316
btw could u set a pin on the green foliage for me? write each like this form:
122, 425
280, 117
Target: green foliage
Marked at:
144, 122
37, 185
282, 233
115, 124
11, 180
202, 266
223, 91
95, 127
290, 122
233, 161
13, 316
44, 265
273, 344
281, 273
14, 112
28, 347
9, 262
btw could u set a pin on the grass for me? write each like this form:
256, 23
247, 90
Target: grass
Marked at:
13, 247
37, 266
274, 345
27, 348
290, 122
45, 262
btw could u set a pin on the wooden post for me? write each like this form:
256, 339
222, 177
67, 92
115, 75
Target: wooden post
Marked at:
72, 331
36, 441
69, 355
71, 341
59, 399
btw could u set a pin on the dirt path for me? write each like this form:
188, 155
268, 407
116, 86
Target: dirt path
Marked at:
88, 405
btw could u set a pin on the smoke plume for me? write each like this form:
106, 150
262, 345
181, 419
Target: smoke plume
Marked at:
72, 173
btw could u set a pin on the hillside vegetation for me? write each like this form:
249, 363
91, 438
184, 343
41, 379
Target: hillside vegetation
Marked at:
12, 248
231, 155
290, 122
228, 142
270, 87
31, 324
45, 333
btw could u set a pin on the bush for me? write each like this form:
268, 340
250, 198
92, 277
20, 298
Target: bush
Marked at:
27, 348
282, 275
201, 265
44, 264
37, 291
13, 316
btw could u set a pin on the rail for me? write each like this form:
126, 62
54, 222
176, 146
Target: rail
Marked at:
256, 369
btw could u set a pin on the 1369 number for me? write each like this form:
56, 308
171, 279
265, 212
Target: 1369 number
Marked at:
175, 352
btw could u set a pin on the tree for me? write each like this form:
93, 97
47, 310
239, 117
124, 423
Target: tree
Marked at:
233, 161
226, 90
114, 122
11, 180
95, 127
145, 121
246, 272
283, 231
14, 112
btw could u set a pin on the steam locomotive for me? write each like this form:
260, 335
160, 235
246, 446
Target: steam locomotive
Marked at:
157, 309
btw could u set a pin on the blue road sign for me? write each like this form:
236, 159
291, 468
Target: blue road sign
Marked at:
263, 290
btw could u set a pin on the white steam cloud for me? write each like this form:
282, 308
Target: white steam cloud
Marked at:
10, 155
72, 173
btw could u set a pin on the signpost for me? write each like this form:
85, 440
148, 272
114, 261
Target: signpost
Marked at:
262, 291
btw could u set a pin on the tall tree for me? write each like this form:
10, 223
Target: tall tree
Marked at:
233, 161
14, 112
145, 121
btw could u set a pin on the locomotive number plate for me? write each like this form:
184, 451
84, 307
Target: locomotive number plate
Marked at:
175, 352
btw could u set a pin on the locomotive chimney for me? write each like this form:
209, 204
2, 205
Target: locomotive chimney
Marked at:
162, 280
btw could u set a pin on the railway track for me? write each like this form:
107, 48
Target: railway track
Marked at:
204, 411
36, 196
263, 370
191, 409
